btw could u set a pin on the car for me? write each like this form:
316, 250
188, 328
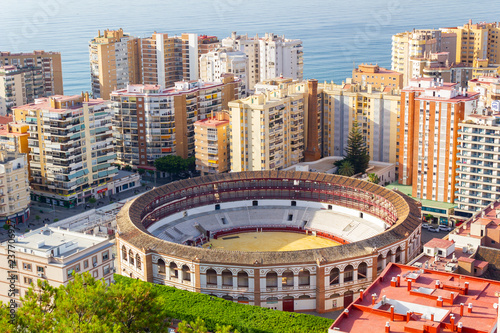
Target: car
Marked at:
425, 225
444, 228
431, 229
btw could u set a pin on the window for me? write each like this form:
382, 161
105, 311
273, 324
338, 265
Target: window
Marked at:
77, 268
70, 273
105, 256
28, 280
26, 266
348, 273
40, 269
94, 261
106, 270
85, 264
334, 276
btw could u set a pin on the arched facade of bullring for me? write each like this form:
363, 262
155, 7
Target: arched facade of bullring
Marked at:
310, 280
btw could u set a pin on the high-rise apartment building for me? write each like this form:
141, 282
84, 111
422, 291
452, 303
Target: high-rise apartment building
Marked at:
150, 122
375, 110
19, 86
71, 148
478, 164
418, 43
268, 57
14, 187
268, 129
212, 143
114, 62
48, 62
168, 59
207, 44
377, 76
439, 66
477, 41
430, 113
224, 60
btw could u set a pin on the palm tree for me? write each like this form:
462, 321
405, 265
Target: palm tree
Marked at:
373, 178
346, 169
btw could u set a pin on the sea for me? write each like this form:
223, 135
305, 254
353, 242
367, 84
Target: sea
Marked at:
337, 35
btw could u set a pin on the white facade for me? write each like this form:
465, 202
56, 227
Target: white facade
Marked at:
478, 164
223, 60
52, 254
268, 57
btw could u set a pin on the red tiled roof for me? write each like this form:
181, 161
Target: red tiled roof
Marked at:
439, 243
422, 300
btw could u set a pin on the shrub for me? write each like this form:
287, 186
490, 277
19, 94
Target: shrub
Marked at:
188, 306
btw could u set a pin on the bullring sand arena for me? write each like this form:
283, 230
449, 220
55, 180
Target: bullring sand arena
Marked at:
269, 241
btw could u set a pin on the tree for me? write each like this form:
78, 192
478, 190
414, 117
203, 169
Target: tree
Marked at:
6, 323
172, 164
136, 307
197, 326
89, 305
346, 169
373, 178
37, 312
356, 150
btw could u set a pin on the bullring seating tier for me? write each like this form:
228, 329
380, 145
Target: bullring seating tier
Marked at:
347, 227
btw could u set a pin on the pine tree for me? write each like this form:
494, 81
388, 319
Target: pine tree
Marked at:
356, 150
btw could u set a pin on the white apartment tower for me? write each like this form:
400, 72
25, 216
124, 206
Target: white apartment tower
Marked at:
478, 163
224, 60
268, 57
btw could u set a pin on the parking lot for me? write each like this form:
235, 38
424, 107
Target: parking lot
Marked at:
428, 235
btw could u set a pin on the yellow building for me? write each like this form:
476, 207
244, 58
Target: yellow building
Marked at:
71, 148
168, 59
488, 88
418, 43
477, 41
14, 136
14, 187
114, 62
375, 110
377, 76
48, 62
268, 129
211, 136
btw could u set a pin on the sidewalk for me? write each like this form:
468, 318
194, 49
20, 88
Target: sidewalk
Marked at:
48, 214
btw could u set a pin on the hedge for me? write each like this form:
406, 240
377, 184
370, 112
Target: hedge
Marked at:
186, 305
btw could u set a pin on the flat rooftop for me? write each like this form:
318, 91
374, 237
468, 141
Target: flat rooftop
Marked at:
407, 189
417, 305
48, 241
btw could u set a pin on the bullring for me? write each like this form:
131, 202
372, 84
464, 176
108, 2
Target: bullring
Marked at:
161, 234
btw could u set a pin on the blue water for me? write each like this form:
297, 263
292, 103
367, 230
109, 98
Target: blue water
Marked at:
335, 33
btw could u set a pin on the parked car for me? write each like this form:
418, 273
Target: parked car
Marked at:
431, 229
425, 225
444, 228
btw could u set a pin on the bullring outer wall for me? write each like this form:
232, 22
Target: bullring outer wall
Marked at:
320, 280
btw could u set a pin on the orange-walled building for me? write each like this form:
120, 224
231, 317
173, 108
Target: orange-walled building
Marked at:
378, 77
211, 136
429, 117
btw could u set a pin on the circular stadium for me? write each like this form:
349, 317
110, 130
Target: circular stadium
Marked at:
293, 241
